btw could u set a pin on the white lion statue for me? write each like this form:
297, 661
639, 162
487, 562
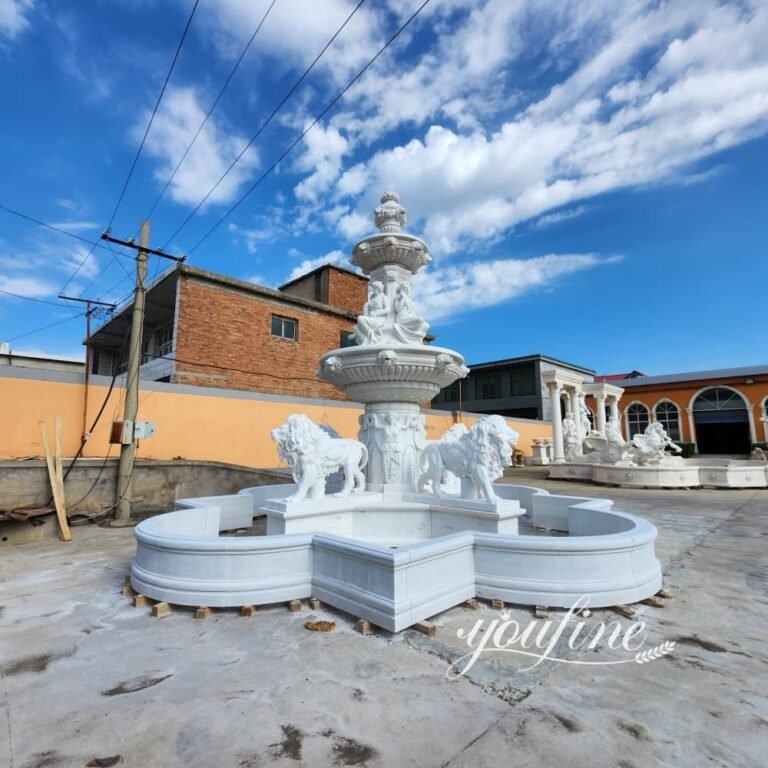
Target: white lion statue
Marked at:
477, 458
313, 455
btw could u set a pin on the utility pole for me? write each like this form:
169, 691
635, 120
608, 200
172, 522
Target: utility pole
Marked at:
128, 449
89, 310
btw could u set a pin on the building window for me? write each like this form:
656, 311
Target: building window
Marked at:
523, 381
145, 355
668, 415
487, 387
164, 341
451, 393
637, 419
285, 327
346, 339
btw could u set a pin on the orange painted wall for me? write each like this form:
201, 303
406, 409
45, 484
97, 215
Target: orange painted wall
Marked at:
681, 395
189, 425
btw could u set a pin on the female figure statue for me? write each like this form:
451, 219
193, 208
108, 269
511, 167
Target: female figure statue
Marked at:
375, 315
409, 328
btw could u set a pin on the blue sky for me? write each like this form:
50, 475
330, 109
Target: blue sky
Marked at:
590, 177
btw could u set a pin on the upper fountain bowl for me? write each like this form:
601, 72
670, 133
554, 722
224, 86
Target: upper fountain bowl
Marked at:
389, 373
383, 250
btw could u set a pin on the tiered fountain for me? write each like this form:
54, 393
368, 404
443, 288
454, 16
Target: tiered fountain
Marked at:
395, 545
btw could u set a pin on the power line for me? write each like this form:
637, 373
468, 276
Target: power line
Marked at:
306, 130
46, 327
32, 219
39, 301
266, 122
210, 111
154, 112
141, 145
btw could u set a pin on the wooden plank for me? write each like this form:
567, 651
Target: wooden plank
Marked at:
654, 602
314, 604
59, 462
497, 605
294, 606
541, 612
203, 612
663, 593
160, 609
139, 601
247, 611
425, 627
625, 610
471, 604
61, 512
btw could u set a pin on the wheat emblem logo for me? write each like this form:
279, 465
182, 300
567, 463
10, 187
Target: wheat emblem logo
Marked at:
655, 653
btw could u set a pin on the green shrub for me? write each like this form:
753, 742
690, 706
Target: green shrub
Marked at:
688, 449
764, 446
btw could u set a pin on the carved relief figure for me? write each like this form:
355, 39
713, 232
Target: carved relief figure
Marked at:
477, 457
375, 315
312, 455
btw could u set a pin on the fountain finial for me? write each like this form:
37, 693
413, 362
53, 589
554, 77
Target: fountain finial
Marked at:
390, 215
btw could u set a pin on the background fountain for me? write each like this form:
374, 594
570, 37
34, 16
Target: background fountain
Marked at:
399, 547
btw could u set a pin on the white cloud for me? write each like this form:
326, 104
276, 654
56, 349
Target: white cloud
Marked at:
75, 226
77, 255
174, 127
296, 31
558, 216
14, 16
627, 94
440, 294
24, 285
334, 257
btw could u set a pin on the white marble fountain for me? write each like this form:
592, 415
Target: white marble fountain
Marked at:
417, 526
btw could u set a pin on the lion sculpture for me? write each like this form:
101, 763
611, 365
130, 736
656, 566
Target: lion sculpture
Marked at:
477, 458
313, 455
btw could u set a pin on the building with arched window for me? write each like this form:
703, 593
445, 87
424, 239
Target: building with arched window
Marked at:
722, 412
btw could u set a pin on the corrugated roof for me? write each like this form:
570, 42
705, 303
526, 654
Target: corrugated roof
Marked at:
527, 359
719, 373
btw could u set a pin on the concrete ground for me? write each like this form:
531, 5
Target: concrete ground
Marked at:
86, 677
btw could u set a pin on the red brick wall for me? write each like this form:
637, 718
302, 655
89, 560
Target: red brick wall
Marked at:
233, 330
347, 291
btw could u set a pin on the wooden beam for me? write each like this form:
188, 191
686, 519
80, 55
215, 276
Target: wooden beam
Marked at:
425, 627
61, 512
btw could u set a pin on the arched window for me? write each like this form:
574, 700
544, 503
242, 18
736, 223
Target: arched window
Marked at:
637, 419
668, 415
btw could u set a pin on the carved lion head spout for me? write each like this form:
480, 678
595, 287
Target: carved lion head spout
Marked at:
312, 454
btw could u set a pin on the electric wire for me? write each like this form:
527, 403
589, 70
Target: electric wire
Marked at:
266, 122
210, 111
314, 122
143, 141
46, 327
39, 301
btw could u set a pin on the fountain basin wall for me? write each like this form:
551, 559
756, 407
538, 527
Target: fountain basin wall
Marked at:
607, 555
688, 473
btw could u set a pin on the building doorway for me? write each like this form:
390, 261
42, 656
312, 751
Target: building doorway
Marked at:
722, 422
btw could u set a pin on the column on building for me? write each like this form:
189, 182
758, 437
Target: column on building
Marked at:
558, 449
600, 413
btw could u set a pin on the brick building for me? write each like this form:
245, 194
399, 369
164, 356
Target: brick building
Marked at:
210, 330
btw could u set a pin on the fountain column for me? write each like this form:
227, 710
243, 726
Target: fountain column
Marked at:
390, 369
614, 406
558, 449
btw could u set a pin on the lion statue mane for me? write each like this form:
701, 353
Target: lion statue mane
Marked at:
477, 457
312, 454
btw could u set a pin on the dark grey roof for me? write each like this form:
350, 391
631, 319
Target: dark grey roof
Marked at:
529, 359
718, 373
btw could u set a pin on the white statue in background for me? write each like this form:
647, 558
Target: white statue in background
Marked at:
375, 317
408, 327
313, 455
608, 449
477, 458
571, 445
648, 447
586, 424
449, 483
